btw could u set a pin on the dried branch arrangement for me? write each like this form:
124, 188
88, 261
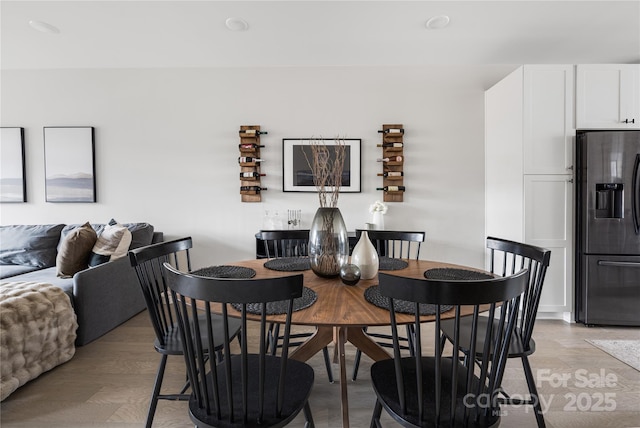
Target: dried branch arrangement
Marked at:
327, 170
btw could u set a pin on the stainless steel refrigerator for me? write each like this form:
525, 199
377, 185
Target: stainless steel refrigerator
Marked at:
608, 227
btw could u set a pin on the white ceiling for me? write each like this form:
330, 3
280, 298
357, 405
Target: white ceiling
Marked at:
140, 34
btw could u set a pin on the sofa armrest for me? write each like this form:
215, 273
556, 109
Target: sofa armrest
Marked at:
105, 296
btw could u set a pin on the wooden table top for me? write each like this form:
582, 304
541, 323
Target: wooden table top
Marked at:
343, 305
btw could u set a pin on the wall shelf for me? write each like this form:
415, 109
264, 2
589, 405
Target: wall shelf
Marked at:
250, 163
392, 171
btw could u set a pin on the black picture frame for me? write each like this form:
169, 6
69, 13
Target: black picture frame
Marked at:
297, 175
13, 174
69, 153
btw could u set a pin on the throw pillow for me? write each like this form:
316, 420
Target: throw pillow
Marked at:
31, 245
113, 243
141, 234
73, 255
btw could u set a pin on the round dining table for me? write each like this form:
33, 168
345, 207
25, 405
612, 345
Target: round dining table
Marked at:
341, 311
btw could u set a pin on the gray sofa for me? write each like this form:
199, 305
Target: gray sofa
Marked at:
103, 296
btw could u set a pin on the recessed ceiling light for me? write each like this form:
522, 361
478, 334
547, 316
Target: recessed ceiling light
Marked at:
236, 24
437, 22
43, 27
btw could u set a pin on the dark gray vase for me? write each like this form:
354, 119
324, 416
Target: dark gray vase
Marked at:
328, 242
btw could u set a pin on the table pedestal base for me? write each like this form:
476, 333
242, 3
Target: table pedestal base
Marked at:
340, 336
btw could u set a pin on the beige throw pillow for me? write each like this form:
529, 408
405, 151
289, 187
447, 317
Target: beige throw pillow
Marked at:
113, 243
75, 248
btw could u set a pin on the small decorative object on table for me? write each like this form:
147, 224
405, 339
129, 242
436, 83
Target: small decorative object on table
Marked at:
272, 220
328, 240
365, 256
378, 209
350, 274
294, 219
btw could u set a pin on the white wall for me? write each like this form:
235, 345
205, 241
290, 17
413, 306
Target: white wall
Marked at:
166, 147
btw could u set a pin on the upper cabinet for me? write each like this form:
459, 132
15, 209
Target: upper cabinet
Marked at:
548, 131
608, 96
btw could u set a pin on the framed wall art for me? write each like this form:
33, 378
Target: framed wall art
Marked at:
69, 157
13, 182
297, 173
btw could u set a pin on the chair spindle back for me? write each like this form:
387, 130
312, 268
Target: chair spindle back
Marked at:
240, 386
147, 262
508, 257
446, 392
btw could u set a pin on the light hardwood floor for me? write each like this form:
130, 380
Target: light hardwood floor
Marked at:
108, 383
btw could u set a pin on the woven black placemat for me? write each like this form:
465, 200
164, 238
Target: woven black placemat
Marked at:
289, 264
308, 298
455, 274
388, 263
225, 271
373, 296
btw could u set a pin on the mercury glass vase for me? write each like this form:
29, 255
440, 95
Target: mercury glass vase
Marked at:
328, 242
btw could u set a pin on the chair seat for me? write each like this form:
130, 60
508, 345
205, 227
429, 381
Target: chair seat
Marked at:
384, 383
299, 381
516, 346
173, 341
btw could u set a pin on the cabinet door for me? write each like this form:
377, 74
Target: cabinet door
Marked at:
548, 131
607, 96
503, 154
548, 212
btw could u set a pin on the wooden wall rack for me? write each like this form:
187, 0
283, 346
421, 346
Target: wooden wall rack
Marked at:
250, 162
392, 162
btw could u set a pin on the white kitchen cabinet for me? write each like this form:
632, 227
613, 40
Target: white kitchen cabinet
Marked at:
528, 170
548, 132
548, 223
608, 96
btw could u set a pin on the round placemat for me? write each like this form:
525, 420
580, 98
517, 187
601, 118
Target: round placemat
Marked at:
388, 263
456, 274
373, 296
289, 264
225, 271
308, 298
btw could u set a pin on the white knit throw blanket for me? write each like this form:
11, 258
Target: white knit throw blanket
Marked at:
37, 332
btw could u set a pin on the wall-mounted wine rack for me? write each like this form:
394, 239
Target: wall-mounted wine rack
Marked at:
392, 162
250, 162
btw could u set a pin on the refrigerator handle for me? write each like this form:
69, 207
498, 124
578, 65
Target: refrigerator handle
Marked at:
635, 189
618, 264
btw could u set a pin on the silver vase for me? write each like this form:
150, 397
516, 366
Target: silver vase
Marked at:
328, 242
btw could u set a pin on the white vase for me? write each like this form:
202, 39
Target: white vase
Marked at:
365, 256
377, 219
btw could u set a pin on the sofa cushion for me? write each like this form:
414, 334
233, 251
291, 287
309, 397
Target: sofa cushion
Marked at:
112, 244
7, 271
48, 275
74, 250
32, 245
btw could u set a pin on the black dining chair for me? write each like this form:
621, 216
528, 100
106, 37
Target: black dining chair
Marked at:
439, 391
507, 257
397, 245
280, 244
245, 389
284, 243
147, 262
